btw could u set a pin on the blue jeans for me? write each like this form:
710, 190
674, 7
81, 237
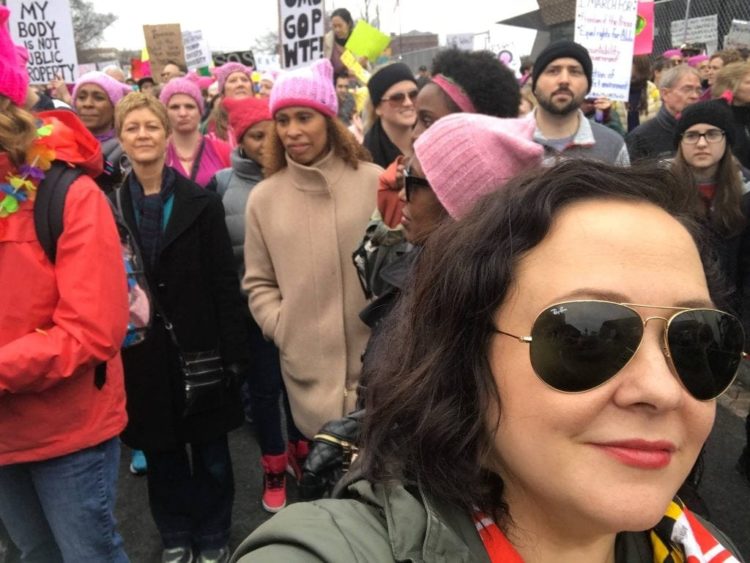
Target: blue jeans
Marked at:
192, 503
62, 509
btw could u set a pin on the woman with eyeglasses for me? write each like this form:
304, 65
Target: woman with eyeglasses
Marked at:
550, 380
705, 136
390, 113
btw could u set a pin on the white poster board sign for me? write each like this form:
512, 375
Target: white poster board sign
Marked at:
509, 43
301, 31
267, 62
738, 36
45, 28
197, 53
463, 41
699, 30
607, 29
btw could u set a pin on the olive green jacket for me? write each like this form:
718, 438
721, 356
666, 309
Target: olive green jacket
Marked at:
383, 523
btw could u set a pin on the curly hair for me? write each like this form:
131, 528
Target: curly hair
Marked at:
344, 144
17, 130
491, 86
432, 404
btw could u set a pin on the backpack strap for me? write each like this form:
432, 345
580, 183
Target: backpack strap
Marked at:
49, 206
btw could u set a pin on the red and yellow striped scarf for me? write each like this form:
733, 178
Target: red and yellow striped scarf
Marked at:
678, 538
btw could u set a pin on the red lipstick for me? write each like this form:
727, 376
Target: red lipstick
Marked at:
642, 454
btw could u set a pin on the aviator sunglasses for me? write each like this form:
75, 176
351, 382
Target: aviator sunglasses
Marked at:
579, 345
398, 99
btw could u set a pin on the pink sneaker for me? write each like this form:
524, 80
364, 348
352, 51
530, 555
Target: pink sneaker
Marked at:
274, 482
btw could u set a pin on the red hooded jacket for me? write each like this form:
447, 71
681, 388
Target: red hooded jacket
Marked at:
59, 321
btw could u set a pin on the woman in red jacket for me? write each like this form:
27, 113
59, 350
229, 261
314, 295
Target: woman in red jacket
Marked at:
59, 422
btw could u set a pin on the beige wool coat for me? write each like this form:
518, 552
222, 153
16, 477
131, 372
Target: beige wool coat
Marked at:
302, 225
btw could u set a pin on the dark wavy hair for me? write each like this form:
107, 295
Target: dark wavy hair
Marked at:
431, 389
491, 86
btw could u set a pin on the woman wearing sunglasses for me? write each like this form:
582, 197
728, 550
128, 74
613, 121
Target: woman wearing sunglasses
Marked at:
390, 113
551, 379
439, 187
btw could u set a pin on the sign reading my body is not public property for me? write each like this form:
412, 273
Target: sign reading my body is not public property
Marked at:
301, 31
45, 29
607, 29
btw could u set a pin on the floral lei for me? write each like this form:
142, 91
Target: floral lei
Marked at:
21, 186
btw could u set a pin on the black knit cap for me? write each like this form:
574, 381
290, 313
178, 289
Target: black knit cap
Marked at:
559, 50
387, 77
713, 112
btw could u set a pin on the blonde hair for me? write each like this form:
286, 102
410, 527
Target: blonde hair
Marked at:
17, 130
340, 139
220, 119
729, 78
139, 100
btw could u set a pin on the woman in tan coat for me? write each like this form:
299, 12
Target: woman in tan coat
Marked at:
303, 223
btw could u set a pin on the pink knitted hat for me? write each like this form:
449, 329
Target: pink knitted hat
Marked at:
245, 112
115, 90
669, 53
14, 80
181, 86
311, 86
223, 72
467, 155
697, 59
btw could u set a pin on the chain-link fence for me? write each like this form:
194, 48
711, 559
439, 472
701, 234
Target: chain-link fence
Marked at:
708, 24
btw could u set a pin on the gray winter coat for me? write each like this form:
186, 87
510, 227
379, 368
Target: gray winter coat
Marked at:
234, 185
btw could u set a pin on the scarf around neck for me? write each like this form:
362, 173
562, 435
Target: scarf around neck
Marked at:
678, 537
382, 149
149, 211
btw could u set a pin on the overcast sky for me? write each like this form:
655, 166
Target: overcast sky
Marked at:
230, 25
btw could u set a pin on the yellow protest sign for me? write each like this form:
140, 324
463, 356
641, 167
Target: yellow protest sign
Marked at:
351, 62
367, 41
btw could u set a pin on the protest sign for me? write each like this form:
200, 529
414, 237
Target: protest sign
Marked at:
301, 32
607, 29
267, 62
45, 29
463, 41
738, 36
509, 43
243, 57
197, 54
367, 41
164, 44
699, 30
350, 61
644, 28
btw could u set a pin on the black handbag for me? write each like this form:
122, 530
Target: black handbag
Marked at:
333, 451
206, 383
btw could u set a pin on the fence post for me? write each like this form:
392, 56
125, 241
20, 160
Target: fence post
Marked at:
687, 17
